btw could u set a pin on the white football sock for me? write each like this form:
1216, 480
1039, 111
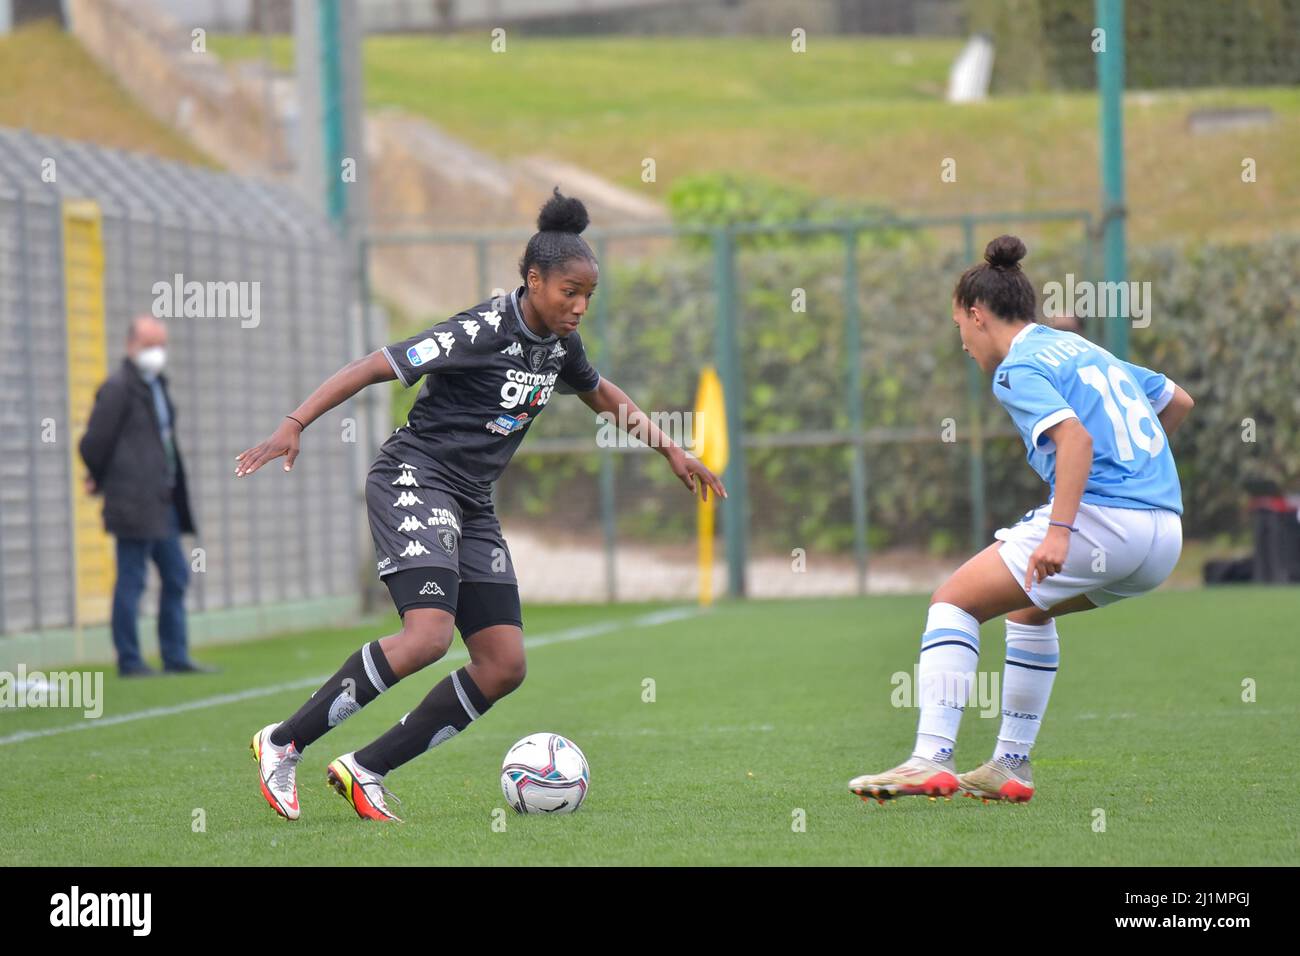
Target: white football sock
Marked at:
1033, 654
950, 651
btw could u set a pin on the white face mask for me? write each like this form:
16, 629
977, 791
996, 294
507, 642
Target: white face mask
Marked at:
150, 361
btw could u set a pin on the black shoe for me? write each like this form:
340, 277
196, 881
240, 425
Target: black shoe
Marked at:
192, 667
144, 670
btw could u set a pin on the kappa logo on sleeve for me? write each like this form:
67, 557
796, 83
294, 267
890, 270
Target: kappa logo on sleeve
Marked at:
426, 350
492, 318
470, 327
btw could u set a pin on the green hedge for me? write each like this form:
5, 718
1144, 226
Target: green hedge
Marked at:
1225, 325
1047, 44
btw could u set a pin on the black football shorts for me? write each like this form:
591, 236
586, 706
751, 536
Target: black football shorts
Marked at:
419, 520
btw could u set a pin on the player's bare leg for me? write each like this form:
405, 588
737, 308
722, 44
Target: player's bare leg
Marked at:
425, 636
497, 662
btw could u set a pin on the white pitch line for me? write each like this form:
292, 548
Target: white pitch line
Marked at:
571, 634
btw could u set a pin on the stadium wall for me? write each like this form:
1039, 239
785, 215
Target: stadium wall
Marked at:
88, 239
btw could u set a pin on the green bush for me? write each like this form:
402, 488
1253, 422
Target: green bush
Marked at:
1047, 44
1225, 325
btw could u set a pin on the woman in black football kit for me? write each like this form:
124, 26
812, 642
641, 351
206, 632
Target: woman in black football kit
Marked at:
488, 372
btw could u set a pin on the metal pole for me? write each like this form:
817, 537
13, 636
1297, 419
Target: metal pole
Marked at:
331, 86
608, 509
853, 355
974, 386
1110, 86
735, 508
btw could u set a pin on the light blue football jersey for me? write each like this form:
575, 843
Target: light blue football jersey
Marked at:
1050, 375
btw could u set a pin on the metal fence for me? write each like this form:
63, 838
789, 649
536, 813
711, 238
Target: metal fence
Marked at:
828, 466
86, 237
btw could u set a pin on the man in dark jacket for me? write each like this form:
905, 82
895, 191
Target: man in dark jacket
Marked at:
130, 450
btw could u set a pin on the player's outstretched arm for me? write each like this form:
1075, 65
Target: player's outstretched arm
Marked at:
1172, 415
609, 398
335, 390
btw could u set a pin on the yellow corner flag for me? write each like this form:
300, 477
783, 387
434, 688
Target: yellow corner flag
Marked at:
710, 446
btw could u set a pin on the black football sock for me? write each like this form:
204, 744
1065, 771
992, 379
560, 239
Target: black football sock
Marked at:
445, 712
363, 677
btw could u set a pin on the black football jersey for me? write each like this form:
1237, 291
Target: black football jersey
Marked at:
487, 377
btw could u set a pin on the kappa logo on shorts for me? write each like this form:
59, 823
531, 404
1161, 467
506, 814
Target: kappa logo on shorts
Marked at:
410, 523
413, 550
407, 500
447, 538
431, 587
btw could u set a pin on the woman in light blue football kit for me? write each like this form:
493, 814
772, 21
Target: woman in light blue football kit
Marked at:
1096, 429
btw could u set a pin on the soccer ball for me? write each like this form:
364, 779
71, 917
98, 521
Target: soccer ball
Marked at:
545, 773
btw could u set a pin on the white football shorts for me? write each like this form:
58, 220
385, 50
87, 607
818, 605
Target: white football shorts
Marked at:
1115, 554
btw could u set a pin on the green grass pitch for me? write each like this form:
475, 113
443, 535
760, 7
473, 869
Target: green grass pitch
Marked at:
761, 709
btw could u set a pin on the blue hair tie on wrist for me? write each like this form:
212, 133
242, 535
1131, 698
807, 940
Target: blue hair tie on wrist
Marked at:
1062, 524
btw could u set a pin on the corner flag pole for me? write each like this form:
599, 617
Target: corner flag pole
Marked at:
710, 446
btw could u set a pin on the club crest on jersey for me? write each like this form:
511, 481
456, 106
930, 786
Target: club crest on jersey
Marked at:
447, 538
505, 424
536, 357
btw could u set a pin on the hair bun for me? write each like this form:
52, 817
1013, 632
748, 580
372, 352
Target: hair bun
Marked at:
1005, 252
562, 214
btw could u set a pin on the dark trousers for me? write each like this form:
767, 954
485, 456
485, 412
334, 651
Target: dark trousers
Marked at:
133, 555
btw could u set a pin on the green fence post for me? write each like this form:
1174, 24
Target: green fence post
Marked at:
607, 492
974, 389
1110, 86
331, 82
853, 355
735, 510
